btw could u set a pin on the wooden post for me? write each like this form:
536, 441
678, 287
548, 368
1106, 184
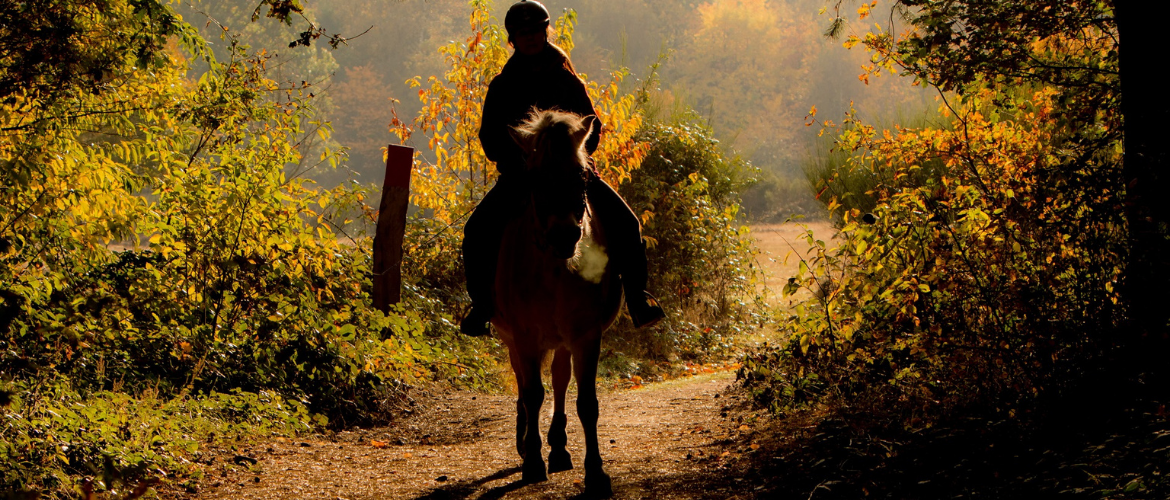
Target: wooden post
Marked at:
391, 227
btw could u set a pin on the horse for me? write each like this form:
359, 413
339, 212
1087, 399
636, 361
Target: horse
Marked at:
556, 292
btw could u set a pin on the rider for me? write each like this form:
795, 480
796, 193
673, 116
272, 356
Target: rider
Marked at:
539, 75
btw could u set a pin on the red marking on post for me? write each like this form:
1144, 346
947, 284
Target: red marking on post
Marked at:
399, 160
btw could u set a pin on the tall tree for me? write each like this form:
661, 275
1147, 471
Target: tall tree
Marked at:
1147, 113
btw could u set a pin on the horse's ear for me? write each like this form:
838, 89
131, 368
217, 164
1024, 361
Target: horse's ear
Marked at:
522, 139
582, 135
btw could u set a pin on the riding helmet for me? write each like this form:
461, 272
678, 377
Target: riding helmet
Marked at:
525, 15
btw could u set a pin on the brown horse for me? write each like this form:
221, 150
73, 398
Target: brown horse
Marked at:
555, 292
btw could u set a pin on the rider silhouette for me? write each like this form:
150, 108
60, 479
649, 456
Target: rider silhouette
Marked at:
539, 75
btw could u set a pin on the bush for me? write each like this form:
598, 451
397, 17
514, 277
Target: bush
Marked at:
843, 175
979, 277
55, 436
775, 197
702, 259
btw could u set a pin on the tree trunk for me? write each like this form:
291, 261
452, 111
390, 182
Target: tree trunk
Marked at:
1146, 113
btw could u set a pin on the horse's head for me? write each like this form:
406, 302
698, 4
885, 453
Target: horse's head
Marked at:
557, 172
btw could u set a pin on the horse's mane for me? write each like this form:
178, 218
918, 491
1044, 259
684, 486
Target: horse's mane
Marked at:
556, 130
540, 119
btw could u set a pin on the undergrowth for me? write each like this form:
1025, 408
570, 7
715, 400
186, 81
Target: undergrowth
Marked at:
59, 441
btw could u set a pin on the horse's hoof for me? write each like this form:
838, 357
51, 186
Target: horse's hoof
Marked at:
597, 485
559, 461
534, 472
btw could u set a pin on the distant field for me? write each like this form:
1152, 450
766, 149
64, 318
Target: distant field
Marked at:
781, 246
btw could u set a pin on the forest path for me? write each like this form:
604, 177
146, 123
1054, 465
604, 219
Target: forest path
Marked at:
674, 439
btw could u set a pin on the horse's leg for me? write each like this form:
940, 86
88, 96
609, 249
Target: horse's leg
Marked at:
562, 369
532, 393
521, 416
521, 425
597, 483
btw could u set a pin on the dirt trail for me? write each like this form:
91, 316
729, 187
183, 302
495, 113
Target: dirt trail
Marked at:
690, 438
660, 441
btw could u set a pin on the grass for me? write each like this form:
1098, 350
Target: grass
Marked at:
58, 442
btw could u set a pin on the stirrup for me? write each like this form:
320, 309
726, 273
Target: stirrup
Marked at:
645, 313
475, 324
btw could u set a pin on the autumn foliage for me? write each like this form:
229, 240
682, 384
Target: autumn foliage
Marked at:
976, 262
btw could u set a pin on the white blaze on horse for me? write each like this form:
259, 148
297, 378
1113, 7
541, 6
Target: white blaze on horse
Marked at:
556, 292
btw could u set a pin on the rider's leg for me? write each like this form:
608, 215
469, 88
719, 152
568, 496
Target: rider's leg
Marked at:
624, 234
482, 235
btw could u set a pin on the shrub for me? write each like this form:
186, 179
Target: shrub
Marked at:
54, 435
702, 260
985, 281
835, 172
776, 197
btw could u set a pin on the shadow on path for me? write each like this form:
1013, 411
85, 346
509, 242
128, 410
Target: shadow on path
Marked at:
466, 489
463, 490
1095, 442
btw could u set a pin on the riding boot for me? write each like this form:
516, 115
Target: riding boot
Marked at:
643, 307
480, 271
627, 249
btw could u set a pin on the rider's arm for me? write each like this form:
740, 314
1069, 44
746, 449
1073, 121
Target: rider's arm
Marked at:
579, 103
493, 131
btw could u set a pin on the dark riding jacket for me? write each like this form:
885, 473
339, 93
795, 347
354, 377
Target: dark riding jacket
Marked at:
542, 81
